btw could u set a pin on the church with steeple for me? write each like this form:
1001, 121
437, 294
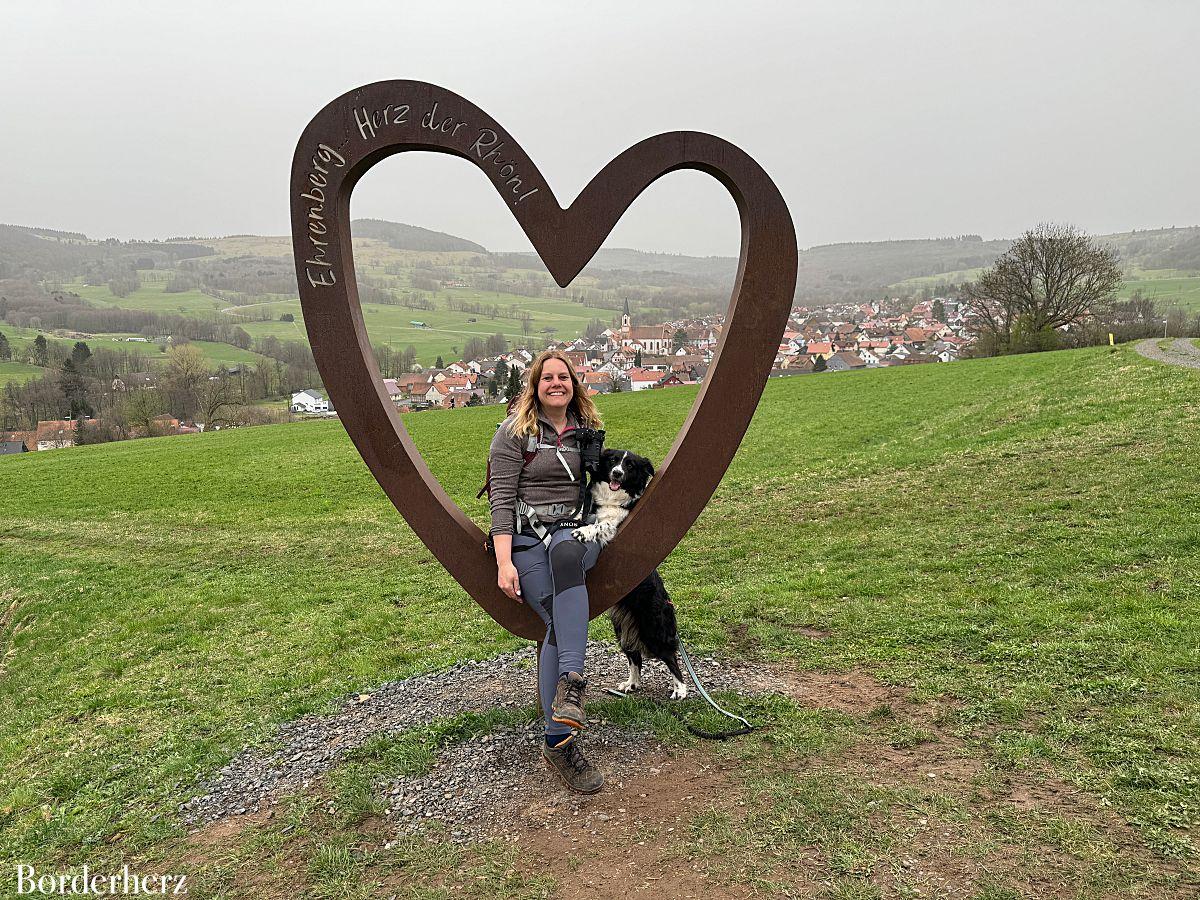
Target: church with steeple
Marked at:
650, 338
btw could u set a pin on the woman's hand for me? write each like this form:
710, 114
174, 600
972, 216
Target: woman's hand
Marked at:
508, 580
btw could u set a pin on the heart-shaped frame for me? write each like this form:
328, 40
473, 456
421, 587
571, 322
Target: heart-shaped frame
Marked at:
362, 127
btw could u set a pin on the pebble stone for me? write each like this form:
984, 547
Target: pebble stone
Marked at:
472, 780
1180, 352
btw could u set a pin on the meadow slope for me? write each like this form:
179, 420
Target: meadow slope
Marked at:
1018, 539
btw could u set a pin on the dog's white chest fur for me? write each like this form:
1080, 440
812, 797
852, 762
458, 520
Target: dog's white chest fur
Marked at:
608, 512
609, 506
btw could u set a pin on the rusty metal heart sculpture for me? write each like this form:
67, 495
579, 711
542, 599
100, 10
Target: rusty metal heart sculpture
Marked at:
364, 126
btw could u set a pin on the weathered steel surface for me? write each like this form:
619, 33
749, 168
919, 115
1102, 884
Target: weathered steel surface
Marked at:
364, 126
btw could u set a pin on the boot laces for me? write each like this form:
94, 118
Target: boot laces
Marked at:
575, 758
573, 692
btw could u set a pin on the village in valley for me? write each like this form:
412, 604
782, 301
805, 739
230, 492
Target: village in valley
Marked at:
623, 358
838, 338
105, 340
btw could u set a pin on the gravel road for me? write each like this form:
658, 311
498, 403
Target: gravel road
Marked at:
1180, 352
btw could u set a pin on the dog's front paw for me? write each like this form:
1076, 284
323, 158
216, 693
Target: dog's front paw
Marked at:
680, 691
586, 533
626, 687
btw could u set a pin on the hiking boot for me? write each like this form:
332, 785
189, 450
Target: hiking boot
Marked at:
568, 761
567, 707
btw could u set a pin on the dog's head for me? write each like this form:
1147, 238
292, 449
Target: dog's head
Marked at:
623, 472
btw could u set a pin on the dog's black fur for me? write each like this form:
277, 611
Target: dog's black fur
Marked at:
644, 620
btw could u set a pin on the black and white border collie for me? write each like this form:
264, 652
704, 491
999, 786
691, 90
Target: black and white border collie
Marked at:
644, 620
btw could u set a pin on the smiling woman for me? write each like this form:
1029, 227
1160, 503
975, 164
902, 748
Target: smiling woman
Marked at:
565, 240
535, 472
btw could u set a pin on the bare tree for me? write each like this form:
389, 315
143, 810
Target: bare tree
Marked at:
187, 371
220, 403
1052, 278
1175, 324
385, 358
139, 408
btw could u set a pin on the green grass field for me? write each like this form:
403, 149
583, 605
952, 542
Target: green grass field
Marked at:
213, 351
1015, 540
18, 371
1167, 287
152, 297
444, 329
19, 338
386, 323
942, 278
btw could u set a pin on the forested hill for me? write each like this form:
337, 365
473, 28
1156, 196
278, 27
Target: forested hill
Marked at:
833, 272
410, 237
44, 253
826, 273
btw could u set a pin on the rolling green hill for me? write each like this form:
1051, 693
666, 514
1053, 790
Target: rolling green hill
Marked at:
1166, 287
410, 237
1164, 264
1016, 537
18, 371
407, 274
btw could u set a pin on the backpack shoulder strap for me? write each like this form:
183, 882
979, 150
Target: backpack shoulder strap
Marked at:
487, 481
529, 453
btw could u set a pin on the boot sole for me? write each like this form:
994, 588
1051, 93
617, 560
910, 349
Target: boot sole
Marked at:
563, 720
563, 778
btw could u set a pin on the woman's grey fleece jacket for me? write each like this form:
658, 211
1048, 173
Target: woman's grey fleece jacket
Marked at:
543, 482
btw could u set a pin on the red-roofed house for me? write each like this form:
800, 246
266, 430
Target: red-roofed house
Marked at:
823, 349
54, 434
916, 336
671, 379
641, 379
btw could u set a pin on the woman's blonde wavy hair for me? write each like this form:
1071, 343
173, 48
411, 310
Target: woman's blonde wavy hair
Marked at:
525, 413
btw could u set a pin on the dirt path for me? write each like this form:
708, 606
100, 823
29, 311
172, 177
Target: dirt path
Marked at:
686, 823
1181, 352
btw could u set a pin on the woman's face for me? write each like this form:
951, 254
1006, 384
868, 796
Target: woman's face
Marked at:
554, 390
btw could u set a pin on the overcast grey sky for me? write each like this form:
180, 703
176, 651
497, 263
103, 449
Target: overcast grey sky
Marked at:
877, 120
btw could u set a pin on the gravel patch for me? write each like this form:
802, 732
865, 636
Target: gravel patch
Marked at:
1180, 352
477, 788
505, 764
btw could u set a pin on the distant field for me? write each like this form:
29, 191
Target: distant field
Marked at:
18, 372
367, 251
213, 351
390, 325
958, 277
1167, 287
20, 338
150, 296
387, 324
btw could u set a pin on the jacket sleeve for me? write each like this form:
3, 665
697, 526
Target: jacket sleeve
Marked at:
506, 459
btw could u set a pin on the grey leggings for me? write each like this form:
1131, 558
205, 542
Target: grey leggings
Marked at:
552, 582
